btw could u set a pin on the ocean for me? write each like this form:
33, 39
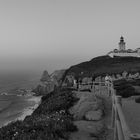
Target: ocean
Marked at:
13, 107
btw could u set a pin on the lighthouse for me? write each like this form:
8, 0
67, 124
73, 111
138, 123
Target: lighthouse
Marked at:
121, 44
123, 52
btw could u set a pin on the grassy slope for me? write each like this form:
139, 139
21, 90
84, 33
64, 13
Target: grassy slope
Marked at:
105, 64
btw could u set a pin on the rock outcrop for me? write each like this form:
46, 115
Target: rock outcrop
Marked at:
94, 115
56, 77
48, 82
45, 77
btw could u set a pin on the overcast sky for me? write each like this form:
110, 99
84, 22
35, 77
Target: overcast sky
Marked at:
55, 34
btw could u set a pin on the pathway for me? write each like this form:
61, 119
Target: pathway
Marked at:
92, 130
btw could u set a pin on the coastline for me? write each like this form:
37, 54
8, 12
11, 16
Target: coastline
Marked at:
29, 110
35, 100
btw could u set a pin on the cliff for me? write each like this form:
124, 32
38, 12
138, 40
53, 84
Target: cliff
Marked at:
103, 65
49, 82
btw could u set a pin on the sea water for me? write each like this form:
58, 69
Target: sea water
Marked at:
13, 107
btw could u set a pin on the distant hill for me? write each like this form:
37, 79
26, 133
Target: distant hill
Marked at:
103, 65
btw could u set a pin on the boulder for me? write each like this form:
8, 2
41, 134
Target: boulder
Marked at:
92, 127
83, 108
94, 115
87, 102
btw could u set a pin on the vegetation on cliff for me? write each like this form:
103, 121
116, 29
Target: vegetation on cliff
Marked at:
50, 121
126, 88
104, 64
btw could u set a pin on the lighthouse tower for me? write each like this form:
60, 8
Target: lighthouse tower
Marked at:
121, 44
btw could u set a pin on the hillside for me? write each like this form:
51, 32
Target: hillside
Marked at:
104, 64
50, 121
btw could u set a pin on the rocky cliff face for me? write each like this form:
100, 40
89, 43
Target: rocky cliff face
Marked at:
56, 76
45, 77
49, 82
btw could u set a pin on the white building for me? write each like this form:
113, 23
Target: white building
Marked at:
122, 52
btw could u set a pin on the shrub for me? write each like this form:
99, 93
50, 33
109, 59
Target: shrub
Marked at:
124, 88
127, 92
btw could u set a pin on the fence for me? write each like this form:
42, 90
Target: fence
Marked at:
121, 128
118, 122
92, 86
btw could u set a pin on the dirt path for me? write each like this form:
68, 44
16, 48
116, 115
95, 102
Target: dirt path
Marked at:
107, 118
88, 129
